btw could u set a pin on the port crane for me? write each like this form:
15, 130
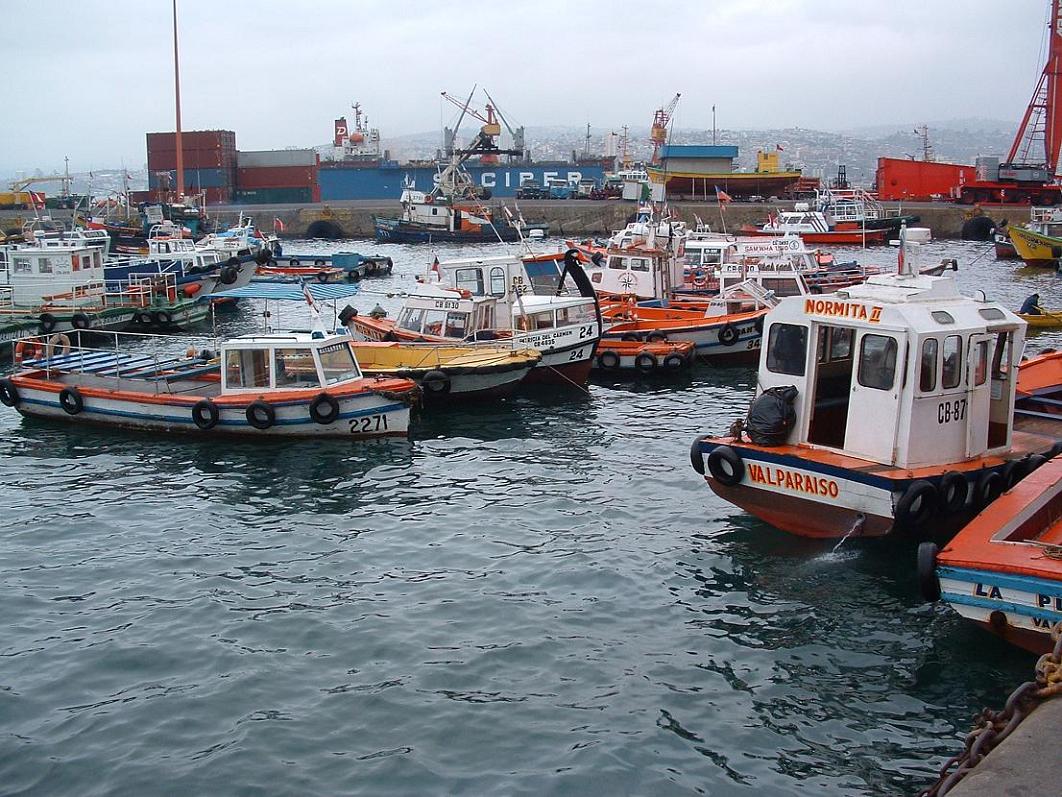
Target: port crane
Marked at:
658, 132
485, 143
1029, 173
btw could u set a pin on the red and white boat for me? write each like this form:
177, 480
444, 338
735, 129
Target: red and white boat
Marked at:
814, 228
292, 384
888, 405
519, 300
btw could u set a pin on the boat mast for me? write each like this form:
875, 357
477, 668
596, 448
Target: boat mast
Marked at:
177, 98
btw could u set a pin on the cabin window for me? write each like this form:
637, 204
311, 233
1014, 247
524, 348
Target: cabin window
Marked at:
1001, 356
86, 262
542, 320
877, 362
247, 368
22, 265
456, 325
951, 374
617, 263
44, 265
470, 279
980, 353
97, 259
497, 281
294, 368
787, 349
927, 380
412, 319
435, 211
434, 320
835, 344
337, 363
639, 264
942, 318
991, 313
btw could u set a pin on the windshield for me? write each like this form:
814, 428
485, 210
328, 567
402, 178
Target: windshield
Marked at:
545, 276
337, 363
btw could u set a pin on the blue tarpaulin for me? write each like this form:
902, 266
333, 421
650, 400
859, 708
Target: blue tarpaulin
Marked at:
291, 291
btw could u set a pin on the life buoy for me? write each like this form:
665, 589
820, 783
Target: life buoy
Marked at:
80, 321
61, 340
322, 276
674, 362
700, 279
324, 409
696, 455
928, 583
437, 382
728, 335
989, 487
47, 323
646, 362
917, 505
726, 465
191, 289
428, 199
260, 415
656, 337
26, 350
205, 414
162, 317
608, 361
953, 491
71, 401
8, 393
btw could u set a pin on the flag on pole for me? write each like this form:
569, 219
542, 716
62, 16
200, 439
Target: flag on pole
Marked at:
779, 147
436, 269
278, 224
307, 295
722, 196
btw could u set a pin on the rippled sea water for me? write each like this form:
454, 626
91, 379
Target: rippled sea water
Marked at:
537, 596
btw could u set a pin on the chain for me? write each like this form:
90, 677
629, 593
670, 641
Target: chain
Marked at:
992, 727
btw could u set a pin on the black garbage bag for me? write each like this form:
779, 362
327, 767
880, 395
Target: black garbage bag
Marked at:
771, 416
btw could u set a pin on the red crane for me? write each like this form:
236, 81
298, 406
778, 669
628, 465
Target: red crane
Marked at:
1028, 175
658, 132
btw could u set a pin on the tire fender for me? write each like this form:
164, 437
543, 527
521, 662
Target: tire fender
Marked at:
917, 504
728, 335
205, 414
260, 415
726, 465
928, 583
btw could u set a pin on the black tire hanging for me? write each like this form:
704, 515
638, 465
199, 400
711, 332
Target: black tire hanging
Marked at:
928, 583
324, 409
726, 465
917, 505
47, 322
989, 487
630, 336
674, 362
436, 382
260, 415
80, 321
608, 361
205, 414
728, 335
229, 275
9, 393
162, 317
646, 362
322, 277
71, 401
656, 337
696, 455
953, 491
142, 317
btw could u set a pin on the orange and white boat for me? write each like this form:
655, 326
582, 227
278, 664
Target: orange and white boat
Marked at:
885, 406
644, 357
1004, 570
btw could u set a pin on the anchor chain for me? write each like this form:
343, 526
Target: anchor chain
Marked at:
992, 727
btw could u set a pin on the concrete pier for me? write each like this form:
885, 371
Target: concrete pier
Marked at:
573, 218
1026, 763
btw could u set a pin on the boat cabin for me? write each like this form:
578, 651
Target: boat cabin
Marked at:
291, 361
901, 370
36, 274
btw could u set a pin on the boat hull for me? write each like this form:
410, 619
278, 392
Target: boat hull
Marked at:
361, 415
707, 339
833, 237
1041, 251
402, 232
818, 498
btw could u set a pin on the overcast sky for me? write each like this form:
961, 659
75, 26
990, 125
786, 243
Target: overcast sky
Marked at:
87, 78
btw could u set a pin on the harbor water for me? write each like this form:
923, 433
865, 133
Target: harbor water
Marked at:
536, 596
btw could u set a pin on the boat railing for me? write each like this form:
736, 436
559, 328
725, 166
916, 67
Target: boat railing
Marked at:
143, 290
160, 361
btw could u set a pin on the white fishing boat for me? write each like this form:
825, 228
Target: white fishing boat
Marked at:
291, 384
519, 300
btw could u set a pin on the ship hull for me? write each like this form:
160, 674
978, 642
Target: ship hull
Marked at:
395, 231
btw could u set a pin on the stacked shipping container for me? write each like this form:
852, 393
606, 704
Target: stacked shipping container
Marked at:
209, 162
920, 181
277, 176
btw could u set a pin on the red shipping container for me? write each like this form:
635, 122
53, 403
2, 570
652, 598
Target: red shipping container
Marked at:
193, 159
277, 177
192, 139
920, 181
218, 196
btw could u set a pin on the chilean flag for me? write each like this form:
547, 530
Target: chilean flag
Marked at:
722, 196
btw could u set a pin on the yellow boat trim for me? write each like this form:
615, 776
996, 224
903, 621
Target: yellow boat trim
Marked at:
1032, 245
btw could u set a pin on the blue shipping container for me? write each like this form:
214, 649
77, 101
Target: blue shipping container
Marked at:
197, 178
386, 182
